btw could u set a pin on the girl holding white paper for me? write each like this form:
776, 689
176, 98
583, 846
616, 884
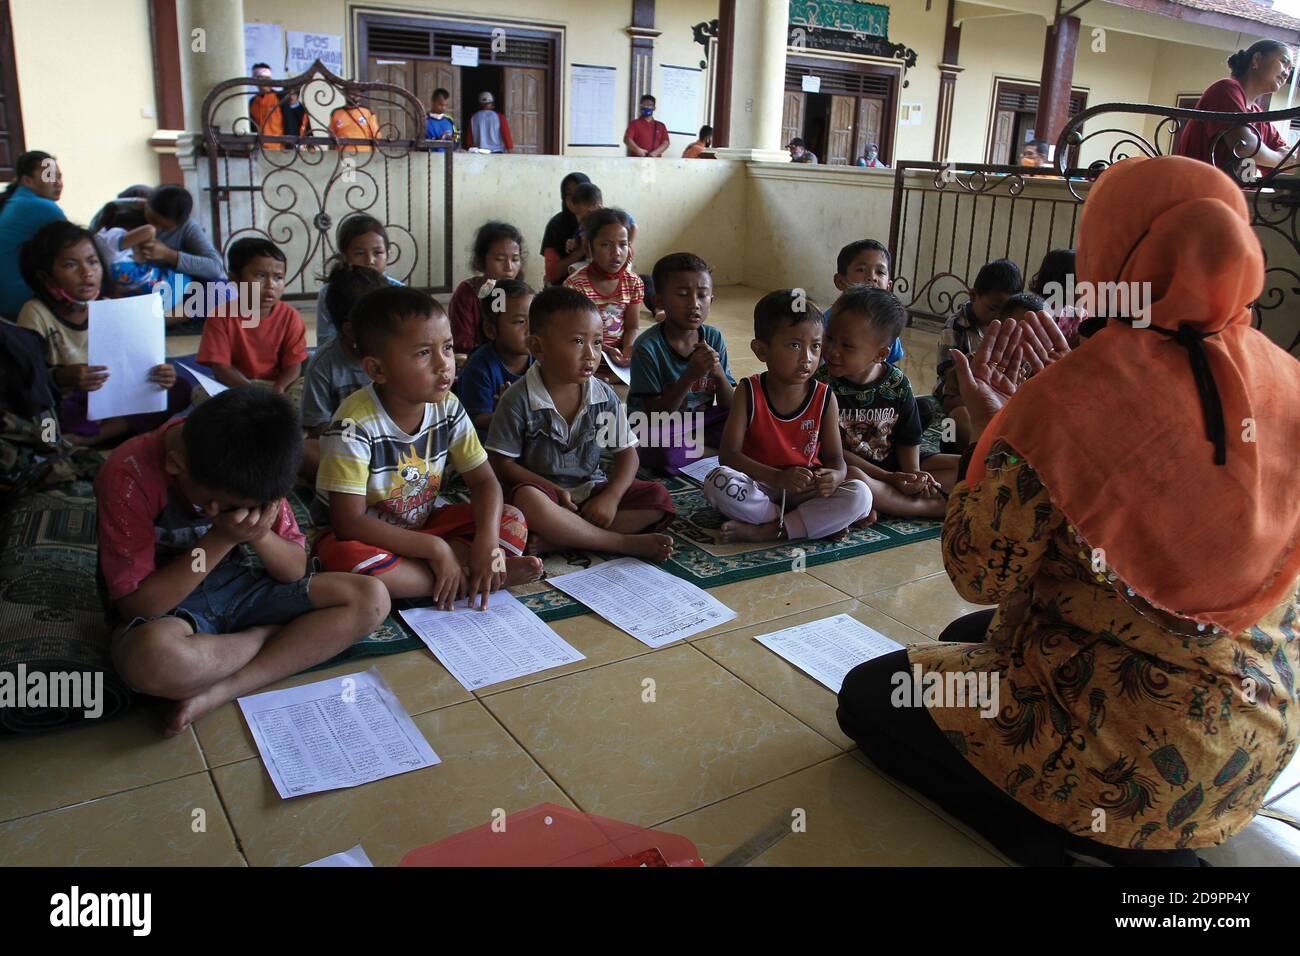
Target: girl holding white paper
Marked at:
61, 264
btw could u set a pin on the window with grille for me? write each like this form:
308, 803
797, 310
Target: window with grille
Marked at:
840, 81
436, 40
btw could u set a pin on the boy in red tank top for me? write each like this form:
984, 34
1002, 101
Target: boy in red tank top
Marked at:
782, 471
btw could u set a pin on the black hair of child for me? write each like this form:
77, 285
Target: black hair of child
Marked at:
243, 251
488, 235
507, 288
378, 316
36, 258
347, 284
28, 164
855, 249
677, 262
246, 442
440, 93
598, 219
881, 309
586, 194
173, 203
1055, 267
120, 215
1239, 62
783, 307
554, 299
353, 227
1000, 275
1021, 301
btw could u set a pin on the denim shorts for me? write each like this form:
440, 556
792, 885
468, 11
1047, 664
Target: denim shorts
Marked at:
234, 598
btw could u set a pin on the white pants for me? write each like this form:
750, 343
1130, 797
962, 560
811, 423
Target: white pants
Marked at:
739, 496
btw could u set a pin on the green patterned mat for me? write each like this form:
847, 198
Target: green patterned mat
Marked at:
698, 558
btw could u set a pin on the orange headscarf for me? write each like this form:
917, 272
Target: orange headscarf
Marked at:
1118, 429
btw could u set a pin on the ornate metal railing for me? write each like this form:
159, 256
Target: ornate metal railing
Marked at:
949, 219
294, 189
1272, 192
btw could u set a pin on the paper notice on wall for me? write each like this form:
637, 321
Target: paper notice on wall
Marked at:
909, 114
306, 48
592, 106
464, 55
677, 101
264, 43
810, 83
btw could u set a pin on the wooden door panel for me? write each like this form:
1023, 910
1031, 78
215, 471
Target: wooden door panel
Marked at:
393, 121
1004, 123
840, 138
525, 108
871, 112
792, 116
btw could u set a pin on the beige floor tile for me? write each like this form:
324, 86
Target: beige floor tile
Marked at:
884, 569
1264, 842
482, 769
152, 826
763, 599
47, 771
705, 736
928, 605
418, 680
782, 682
851, 818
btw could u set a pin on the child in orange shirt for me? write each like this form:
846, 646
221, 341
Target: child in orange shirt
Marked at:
267, 347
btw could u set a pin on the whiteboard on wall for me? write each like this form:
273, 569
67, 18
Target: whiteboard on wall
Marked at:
677, 101
592, 105
264, 43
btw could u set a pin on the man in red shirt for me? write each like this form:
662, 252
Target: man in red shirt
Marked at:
645, 135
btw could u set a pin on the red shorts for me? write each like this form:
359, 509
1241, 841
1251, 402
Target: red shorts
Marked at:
453, 522
640, 496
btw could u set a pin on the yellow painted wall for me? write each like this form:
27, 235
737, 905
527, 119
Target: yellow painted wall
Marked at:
595, 34
82, 98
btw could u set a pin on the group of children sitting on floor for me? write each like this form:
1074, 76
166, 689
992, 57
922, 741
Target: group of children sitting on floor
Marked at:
506, 392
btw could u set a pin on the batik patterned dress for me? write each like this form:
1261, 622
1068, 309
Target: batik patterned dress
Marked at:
1115, 720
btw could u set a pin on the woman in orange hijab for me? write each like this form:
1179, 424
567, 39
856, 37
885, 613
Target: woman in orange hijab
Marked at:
1133, 511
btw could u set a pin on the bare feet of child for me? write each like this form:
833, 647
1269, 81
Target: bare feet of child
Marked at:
536, 544
522, 570
738, 531
868, 521
192, 708
651, 547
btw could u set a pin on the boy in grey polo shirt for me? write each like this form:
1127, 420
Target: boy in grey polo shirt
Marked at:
547, 435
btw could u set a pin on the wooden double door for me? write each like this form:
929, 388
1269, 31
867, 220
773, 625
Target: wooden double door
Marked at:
522, 93
837, 127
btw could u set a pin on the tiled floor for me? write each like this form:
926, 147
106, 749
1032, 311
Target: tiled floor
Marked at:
734, 739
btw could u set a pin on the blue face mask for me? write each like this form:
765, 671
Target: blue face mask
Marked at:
647, 111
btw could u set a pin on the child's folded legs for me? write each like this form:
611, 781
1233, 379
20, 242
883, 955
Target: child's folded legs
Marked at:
740, 497
820, 517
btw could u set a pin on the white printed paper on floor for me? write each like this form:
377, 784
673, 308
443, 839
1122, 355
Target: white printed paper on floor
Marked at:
481, 648
828, 649
353, 857
334, 733
128, 337
649, 603
699, 470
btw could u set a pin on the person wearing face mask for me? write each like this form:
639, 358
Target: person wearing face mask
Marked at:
645, 135
1263, 69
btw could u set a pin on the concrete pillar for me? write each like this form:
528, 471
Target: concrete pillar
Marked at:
760, 34
211, 55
